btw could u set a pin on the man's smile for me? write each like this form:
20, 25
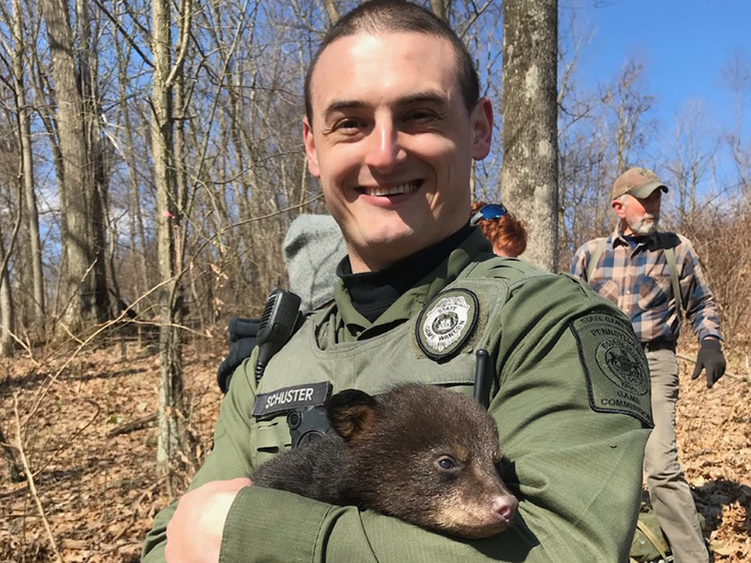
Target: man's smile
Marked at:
393, 190
405, 188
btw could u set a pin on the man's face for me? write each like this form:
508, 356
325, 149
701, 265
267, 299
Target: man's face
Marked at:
392, 143
639, 216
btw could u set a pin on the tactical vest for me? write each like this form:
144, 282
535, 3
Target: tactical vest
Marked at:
436, 345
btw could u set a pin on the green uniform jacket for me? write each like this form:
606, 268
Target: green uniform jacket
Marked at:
571, 400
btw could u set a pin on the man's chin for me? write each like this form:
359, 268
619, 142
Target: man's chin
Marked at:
645, 229
381, 250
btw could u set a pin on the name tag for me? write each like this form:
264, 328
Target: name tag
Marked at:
288, 398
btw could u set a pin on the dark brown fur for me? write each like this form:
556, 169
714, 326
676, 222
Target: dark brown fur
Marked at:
421, 453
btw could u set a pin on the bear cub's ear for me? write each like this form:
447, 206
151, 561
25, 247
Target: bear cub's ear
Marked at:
351, 413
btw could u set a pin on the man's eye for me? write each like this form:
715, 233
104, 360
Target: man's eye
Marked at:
421, 115
348, 125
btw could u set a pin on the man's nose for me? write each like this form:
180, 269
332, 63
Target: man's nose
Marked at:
385, 149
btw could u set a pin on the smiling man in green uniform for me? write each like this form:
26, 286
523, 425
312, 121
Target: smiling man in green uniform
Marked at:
394, 120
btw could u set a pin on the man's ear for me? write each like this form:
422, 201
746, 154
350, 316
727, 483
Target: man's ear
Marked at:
310, 148
351, 413
617, 205
482, 128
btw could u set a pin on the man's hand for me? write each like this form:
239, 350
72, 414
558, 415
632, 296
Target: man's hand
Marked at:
194, 534
710, 357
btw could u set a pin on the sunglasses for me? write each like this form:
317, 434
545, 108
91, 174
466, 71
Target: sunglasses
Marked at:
487, 212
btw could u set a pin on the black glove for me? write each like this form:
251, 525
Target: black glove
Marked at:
242, 340
710, 357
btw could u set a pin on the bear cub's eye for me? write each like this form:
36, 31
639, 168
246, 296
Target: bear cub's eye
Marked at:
446, 463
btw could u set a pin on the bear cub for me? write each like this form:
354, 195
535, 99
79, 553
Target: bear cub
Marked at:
421, 453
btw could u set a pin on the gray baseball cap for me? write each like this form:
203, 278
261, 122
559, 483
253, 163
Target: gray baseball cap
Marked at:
638, 182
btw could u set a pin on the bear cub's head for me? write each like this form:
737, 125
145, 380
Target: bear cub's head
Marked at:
426, 455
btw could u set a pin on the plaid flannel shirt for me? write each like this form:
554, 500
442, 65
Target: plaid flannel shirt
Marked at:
639, 282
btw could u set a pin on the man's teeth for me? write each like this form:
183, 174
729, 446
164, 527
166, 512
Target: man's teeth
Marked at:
401, 189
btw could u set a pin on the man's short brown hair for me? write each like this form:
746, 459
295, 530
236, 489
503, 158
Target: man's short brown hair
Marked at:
379, 16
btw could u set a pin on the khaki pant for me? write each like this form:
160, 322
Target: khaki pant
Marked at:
668, 491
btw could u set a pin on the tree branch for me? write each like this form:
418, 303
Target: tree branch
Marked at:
30, 480
124, 32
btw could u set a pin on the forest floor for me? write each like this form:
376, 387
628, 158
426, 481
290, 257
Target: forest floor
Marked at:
98, 492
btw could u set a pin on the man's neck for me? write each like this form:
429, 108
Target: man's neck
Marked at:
633, 239
371, 260
374, 292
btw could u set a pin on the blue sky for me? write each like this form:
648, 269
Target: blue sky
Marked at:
685, 44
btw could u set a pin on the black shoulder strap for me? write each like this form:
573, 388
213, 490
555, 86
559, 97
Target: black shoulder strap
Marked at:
672, 266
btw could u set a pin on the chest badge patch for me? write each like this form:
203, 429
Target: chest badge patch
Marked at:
446, 322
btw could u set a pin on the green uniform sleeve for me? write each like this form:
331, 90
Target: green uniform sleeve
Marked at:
577, 472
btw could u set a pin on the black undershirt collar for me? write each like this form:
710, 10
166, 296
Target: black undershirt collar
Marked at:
374, 292
634, 240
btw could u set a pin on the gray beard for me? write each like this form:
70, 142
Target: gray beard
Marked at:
643, 228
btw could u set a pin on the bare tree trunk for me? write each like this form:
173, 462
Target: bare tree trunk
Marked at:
79, 282
97, 149
441, 8
27, 173
7, 326
142, 279
6, 302
172, 416
529, 179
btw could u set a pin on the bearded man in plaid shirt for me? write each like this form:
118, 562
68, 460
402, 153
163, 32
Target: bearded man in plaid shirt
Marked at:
652, 276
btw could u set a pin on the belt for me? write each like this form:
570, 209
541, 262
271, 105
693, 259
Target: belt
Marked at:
658, 345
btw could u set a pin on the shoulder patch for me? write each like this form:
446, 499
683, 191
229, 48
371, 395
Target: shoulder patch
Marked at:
446, 322
614, 365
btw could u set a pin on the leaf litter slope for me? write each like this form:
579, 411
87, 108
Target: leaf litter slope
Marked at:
99, 492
